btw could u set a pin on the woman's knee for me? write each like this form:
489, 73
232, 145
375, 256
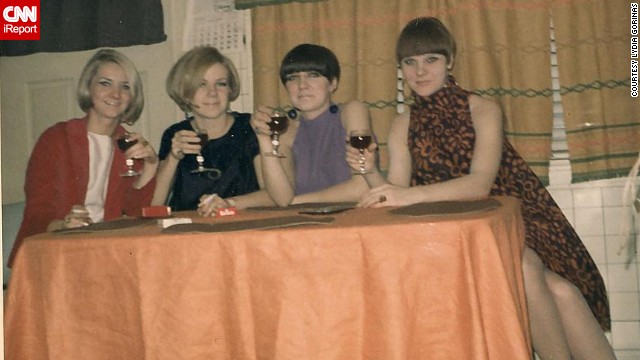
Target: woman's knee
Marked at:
532, 266
562, 289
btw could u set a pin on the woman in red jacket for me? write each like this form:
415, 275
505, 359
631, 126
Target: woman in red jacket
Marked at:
74, 173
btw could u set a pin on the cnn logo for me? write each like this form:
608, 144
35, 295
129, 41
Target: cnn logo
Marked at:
14, 14
20, 20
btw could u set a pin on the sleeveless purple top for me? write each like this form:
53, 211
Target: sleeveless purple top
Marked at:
319, 153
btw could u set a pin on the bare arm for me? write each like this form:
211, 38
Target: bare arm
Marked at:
164, 180
276, 173
256, 198
399, 158
350, 190
354, 116
183, 142
487, 121
210, 202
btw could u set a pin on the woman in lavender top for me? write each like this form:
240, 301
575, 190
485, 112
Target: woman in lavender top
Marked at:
314, 167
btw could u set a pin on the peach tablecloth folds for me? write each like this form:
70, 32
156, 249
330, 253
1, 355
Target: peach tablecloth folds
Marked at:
366, 284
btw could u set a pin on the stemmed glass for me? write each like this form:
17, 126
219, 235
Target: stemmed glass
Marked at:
360, 139
124, 143
201, 169
278, 125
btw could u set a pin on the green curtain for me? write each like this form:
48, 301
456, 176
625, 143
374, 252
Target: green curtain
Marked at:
504, 54
602, 119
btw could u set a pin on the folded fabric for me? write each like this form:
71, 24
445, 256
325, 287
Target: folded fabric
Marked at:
270, 223
110, 225
447, 207
306, 207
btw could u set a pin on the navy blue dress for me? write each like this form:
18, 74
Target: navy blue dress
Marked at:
233, 154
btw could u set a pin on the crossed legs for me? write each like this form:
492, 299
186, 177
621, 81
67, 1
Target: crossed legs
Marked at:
562, 325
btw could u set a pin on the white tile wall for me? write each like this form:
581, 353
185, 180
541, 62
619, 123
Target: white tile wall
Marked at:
598, 215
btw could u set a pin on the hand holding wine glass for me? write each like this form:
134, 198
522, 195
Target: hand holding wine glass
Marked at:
361, 139
278, 125
125, 142
203, 137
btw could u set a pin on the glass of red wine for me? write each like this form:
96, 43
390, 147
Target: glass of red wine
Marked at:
278, 125
360, 139
124, 143
201, 169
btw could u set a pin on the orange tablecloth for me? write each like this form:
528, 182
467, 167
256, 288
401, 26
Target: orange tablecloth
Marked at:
370, 285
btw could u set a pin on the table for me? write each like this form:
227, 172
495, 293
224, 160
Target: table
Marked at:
370, 285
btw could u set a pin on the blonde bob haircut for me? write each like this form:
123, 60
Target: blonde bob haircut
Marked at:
186, 75
132, 113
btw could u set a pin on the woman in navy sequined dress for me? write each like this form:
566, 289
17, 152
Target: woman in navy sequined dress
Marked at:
203, 83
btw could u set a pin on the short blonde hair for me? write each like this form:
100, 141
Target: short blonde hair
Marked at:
132, 113
186, 75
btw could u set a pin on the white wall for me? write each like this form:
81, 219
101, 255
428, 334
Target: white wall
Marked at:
596, 211
39, 90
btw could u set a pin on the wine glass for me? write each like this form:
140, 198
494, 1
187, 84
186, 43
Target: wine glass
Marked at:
124, 143
360, 139
278, 125
201, 169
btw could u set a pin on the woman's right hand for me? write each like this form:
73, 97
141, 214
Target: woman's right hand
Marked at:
184, 142
357, 163
260, 120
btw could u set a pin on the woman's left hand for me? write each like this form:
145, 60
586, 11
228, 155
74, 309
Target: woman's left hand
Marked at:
386, 195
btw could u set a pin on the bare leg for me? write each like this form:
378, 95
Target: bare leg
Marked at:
584, 335
547, 333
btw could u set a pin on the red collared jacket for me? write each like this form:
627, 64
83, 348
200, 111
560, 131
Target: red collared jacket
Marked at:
58, 175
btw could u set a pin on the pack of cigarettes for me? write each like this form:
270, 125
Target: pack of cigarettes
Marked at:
158, 211
228, 211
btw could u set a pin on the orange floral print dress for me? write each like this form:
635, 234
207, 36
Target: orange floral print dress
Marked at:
441, 141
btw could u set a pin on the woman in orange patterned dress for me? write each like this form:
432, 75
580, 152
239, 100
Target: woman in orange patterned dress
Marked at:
450, 146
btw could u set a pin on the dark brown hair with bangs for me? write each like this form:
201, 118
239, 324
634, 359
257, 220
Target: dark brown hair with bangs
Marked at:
425, 35
310, 57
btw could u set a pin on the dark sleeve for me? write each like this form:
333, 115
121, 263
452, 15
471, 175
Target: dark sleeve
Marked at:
252, 146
